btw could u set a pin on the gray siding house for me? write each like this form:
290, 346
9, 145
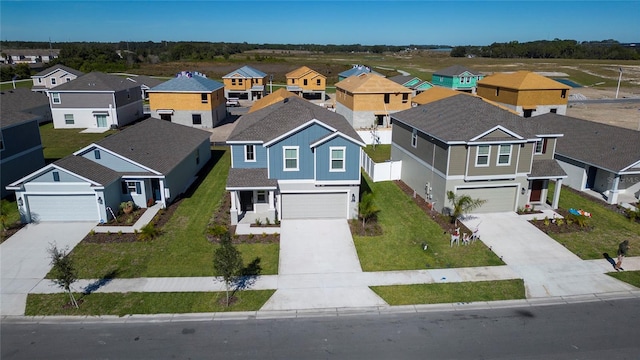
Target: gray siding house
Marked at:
96, 100
151, 162
54, 76
466, 145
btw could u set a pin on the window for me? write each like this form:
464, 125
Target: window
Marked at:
318, 82
504, 155
405, 98
414, 138
249, 153
197, 156
68, 79
53, 81
196, 119
290, 158
541, 146
131, 187
441, 79
204, 98
55, 98
239, 81
56, 176
68, 119
527, 113
39, 80
380, 120
564, 94
261, 196
554, 111
497, 91
337, 158
482, 156
386, 98
96, 154
165, 117
305, 82
233, 81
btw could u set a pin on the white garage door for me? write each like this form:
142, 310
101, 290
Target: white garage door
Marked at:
314, 206
499, 199
63, 207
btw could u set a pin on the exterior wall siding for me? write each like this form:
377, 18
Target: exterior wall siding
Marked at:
525, 158
457, 160
186, 101
47, 177
239, 161
111, 196
180, 177
129, 113
375, 102
19, 166
128, 96
576, 173
492, 169
84, 100
351, 161
112, 162
302, 139
19, 138
401, 136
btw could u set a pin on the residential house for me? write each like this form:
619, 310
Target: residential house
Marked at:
457, 77
146, 83
307, 83
526, 92
414, 83
28, 56
245, 83
438, 93
54, 76
597, 157
357, 70
274, 97
367, 100
466, 145
95, 100
189, 99
20, 145
26, 101
293, 159
151, 162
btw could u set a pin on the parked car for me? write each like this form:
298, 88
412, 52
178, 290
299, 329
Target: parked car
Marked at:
233, 103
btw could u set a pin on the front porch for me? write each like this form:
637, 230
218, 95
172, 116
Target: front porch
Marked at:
247, 224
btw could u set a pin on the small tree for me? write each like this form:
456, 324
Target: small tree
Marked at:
462, 204
367, 208
227, 262
64, 271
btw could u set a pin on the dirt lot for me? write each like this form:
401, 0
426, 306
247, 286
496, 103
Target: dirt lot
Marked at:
625, 115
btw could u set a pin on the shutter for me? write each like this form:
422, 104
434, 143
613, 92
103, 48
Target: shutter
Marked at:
138, 189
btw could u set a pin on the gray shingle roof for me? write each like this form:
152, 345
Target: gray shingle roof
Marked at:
246, 72
48, 71
602, 145
88, 169
250, 178
185, 83
462, 118
277, 119
97, 81
154, 143
357, 70
547, 168
147, 80
401, 79
17, 105
455, 70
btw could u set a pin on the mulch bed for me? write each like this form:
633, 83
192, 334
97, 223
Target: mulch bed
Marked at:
11, 229
123, 219
561, 227
371, 228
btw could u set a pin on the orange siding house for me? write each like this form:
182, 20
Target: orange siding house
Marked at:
307, 83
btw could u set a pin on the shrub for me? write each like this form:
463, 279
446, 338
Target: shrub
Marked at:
560, 221
92, 232
264, 234
267, 221
546, 221
120, 233
148, 232
258, 222
217, 230
251, 236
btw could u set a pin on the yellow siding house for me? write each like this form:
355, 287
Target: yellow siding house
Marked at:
307, 83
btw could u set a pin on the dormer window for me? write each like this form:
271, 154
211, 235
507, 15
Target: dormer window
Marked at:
56, 176
53, 81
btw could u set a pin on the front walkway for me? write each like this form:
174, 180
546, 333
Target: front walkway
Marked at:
146, 218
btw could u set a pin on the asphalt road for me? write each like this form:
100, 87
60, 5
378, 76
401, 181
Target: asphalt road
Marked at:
593, 330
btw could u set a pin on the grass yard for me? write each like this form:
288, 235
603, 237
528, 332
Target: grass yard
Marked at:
609, 228
58, 143
630, 277
122, 304
182, 249
405, 227
379, 153
451, 292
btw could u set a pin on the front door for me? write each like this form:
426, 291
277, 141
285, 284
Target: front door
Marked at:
102, 120
536, 190
591, 177
246, 200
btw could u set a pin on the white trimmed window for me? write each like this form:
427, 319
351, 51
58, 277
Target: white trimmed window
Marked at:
482, 155
204, 98
539, 146
55, 98
250, 153
290, 158
261, 196
337, 158
53, 81
504, 155
68, 119
414, 138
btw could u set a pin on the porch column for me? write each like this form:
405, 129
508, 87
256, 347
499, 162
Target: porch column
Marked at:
234, 209
271, 198
163, 198
556, 194
613, 192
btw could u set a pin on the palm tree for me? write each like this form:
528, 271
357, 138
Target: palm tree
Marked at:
462, 204
367, 208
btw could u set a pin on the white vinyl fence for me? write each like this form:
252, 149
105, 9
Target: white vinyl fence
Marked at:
388, 170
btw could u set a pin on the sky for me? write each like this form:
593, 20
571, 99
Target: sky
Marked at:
372, 22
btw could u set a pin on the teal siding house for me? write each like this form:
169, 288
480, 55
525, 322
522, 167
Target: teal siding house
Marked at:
457, 77
292, 160
416, 84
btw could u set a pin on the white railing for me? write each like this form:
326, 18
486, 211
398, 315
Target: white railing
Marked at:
388, 170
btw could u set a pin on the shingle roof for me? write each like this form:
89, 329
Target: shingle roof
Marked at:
188, 83
547, 168
50, 70
455, 70
96, 81
147, 80
246, 72
522, 80
438, 93
275, 120
272, 98
88, 169
250, 178
605, 146
370, 84
157, 144
16, 105
462, 118
301, 71
357, 70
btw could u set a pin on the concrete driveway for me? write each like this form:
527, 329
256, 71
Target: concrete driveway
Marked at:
24, 260
547, 267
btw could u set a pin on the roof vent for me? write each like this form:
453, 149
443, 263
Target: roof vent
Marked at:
286, 100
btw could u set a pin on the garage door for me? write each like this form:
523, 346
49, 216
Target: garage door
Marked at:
63, 208
314, 206
499, 199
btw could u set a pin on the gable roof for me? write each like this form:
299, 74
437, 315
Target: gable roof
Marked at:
280, 118
57, 67
246, 72
96, 81
88, 169
17, 105
438, 93
188, 82
146, 143
370, 84
302, 71
455, 70
605, 146
357, 70
462, 118
144, 80
522, 80
272, 98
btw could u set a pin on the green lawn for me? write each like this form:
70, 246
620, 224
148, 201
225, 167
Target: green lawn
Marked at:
609, 228
183, 249
451, 292
405, 228
27, 83
630, 277
58, 143
145, 303
379, 153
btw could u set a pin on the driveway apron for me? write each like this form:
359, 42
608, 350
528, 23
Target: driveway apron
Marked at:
309, 251
25, 261
547, 267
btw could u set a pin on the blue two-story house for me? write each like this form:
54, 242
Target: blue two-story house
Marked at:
292, 160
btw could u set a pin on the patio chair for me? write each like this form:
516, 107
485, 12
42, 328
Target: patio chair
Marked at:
455, 237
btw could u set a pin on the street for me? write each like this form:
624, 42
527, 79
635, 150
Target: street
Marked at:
590, 330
